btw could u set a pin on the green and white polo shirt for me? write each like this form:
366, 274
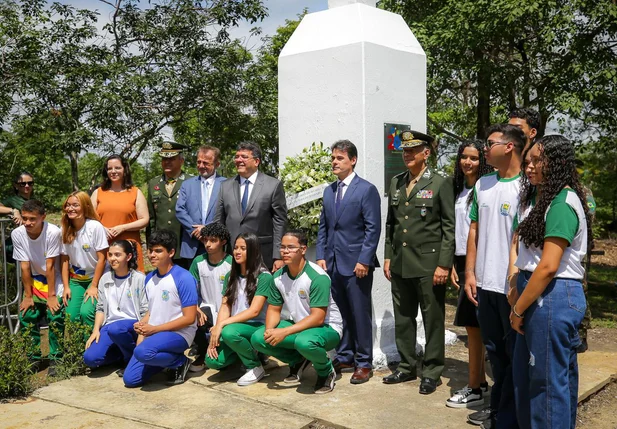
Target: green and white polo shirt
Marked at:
565, 218
210, 279
309, 289
241, 302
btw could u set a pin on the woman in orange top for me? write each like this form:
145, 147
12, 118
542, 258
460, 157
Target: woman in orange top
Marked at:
121, 206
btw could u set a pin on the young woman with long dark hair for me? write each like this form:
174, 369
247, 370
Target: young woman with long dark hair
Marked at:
245, 292
553, 233
470, 166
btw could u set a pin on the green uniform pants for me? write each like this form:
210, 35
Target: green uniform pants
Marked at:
406, 295
312, 344
77, 309
29, 322
236, 343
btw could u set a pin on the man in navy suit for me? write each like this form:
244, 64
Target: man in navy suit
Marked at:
349, 229
196, 204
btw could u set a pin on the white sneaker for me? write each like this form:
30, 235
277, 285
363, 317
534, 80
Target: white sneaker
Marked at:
465, 398
252, 376
197, 367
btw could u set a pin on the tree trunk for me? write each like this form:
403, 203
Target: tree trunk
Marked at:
74, 170
483, 107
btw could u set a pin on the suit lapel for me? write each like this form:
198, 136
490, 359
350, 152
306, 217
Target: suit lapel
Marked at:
257, 187
238, 181
348, 196
213, 196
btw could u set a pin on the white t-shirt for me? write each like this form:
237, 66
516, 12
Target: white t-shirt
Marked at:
90, 239
210, 280
565, 218
461, 231
241, 302
310, 288
120, 304
168, 295
47, 245
494, 206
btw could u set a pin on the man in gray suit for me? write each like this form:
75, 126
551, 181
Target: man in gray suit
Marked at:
254, 202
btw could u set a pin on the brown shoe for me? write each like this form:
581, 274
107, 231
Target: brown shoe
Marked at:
340, 367
361, 375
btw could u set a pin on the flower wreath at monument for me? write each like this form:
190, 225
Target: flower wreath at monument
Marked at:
310, 169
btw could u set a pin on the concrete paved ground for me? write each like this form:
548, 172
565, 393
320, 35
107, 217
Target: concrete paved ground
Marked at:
213, 400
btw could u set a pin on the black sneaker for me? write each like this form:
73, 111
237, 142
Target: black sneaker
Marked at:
295, 372
484, 387
325, 384
582, 347
479, 417
120, 372
51, 369
178, 375
264, 359
489, 424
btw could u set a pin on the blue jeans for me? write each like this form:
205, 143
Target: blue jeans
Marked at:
116, 344
545, 364
498, 338
154, 354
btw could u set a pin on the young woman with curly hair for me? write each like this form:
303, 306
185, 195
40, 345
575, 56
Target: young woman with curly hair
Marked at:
553, 231
470, 166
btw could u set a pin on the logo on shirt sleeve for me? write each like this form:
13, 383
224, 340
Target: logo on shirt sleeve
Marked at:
504, 210
165, 295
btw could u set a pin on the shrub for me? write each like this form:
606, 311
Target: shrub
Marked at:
16, 379
72, 345
310, 168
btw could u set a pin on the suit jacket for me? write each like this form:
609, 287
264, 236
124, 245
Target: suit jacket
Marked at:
188, 211
162, 207
266, 213
420, 228
351, 235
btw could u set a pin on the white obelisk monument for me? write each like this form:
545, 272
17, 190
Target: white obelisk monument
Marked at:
344, 73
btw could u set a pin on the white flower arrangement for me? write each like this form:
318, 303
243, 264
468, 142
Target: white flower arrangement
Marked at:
312, 167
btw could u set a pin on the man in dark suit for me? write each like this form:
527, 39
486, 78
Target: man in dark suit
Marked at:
349, 229
198, 200
419, 251
163, 195
254, 202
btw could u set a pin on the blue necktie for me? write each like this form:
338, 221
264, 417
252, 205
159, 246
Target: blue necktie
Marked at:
339, 196
245, 195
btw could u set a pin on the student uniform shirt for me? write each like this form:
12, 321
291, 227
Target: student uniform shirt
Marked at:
241, 303
47, 245
168, 295
119, 296
565, 218
210, 279
494, 206
461, 214
309, 289
90, 239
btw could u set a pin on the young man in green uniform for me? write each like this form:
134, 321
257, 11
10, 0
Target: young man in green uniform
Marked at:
163, 194
418, 256
315, 326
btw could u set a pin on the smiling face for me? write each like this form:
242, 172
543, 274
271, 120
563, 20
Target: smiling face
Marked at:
470, 162
172, 166
240, 251
342, 165
115, 170
73, 208
117, 258
534, 165
33, 222
24, 186
415, 158
246, 164
159, 256
207, 163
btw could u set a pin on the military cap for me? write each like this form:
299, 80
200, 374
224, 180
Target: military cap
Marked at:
169, 149
412, 138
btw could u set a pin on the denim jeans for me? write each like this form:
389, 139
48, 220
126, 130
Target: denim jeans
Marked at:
498, 338
545, 364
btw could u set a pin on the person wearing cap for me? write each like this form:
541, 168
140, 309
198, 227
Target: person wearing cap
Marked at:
198, 200
163, 195
419, 250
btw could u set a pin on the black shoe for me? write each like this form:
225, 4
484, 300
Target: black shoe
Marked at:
264, 359
192, 353
51, 369
120, 372
489, 423
325, 384
295, 372
582, 347
398, 377
428, 385
177, 376
480, 417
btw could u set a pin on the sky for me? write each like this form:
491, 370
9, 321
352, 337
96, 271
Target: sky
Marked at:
278, 12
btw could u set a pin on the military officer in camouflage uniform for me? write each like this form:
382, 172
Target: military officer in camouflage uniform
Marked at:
163, 194
418, 256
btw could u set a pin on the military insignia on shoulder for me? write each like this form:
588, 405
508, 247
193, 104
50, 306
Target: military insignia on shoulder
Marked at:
427, 174
442, 173
396, 196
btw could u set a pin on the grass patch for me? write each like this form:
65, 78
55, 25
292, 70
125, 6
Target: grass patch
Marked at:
602, 296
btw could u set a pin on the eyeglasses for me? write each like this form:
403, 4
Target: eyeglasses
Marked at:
24, 184
72, 206
490, 143
243, 157
291, 249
